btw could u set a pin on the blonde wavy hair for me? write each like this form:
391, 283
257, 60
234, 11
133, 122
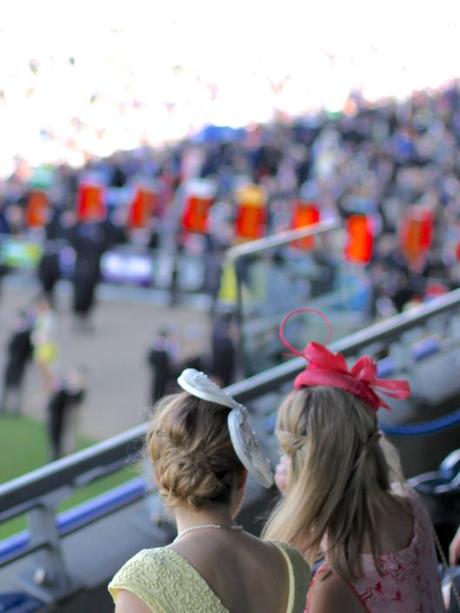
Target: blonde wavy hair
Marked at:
189, 445
341, 470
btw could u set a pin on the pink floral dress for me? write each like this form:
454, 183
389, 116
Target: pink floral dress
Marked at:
410, 579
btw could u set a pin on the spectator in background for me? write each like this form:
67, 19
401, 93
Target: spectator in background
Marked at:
48, 271
65, 398
19, 354
223, 350
405, 292
162, 360
45, 350
89, 242
174, 283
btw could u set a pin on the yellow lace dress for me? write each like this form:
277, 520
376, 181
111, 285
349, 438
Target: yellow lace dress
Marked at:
167, 583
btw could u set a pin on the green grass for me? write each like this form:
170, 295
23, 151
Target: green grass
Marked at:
23, 447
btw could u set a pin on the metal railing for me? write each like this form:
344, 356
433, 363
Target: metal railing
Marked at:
281, 238
38, 493
109, 456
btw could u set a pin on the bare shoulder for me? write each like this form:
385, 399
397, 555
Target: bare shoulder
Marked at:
272, 553
130, 603
329, 594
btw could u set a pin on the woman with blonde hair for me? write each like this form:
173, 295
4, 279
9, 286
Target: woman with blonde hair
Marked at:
343, 506
202, 447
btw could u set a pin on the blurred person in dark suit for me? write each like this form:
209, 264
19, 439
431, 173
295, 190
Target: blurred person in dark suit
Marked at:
48, 271
223, 350
19, 354
66, 397
89, 244
161, 358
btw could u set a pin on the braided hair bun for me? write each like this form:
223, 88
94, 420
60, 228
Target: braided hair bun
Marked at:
189, 444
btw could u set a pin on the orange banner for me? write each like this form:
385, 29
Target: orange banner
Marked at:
416, 234
360, 239
141, 208
251, 217
90, 203
305, 214
196, 214
37, 209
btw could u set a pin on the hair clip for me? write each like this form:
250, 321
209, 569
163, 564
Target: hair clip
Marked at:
243, 437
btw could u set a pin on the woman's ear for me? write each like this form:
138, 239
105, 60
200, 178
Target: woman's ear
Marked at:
282, 473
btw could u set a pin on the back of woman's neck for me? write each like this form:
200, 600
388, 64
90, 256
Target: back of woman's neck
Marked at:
186, 518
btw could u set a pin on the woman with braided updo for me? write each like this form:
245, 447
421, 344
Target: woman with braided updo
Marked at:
202, 448
372, 539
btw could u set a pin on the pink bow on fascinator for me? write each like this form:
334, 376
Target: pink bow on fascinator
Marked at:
330, 369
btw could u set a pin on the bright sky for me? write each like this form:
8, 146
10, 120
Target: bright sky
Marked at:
239, 60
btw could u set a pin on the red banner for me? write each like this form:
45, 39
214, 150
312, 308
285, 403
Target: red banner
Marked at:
141, 208
37, 209
360, 239
199, 197
416, 234
251, 217
305, 214
90, 203
196, 213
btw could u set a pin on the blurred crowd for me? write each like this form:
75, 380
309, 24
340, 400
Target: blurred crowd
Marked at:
376, 160
379, 160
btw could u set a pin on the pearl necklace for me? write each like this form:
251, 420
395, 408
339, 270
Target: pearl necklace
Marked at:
203, 526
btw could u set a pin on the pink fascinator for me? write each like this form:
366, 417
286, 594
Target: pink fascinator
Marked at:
325, 368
